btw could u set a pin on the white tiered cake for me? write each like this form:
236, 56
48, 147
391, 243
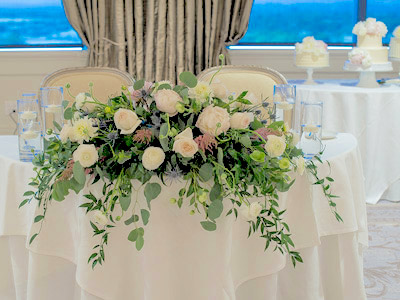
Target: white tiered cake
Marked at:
311, 53
369, 50
395, 44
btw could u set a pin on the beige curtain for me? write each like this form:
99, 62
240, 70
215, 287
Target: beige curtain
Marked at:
158, 39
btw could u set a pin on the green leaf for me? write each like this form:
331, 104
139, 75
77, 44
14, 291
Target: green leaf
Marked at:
138, 84
163, 131
65, 103
151, 191
164, 144
209, 226
145, 216
79, 173
28, 193
23, 203
206, 172
220, 156
125, 202
32, 238
139, 242
132, 219
215, 192
188, 78
38, 218
245, 140
135, 233
215, 209
56, 125
164, 86
68, 115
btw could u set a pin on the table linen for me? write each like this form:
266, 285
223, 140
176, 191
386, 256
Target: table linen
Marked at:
180, 260
372, 116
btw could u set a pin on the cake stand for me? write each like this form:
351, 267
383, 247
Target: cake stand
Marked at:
367, 75
310, 71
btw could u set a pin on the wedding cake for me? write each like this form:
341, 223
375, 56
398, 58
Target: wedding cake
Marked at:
395, 44
311, 53
369, 50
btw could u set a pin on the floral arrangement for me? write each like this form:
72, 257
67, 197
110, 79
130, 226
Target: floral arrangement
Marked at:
311, 45
370, 26
360, 57
222, 146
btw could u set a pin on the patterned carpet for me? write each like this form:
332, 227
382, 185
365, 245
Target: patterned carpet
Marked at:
382, 258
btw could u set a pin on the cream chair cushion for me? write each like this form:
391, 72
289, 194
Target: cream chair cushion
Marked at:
107, 82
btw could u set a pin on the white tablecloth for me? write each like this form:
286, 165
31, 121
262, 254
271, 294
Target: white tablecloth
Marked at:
180, 260
372, 116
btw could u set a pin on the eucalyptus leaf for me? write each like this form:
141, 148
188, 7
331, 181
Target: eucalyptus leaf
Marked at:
132, 219
215, 192
206, 172
125, 202
215, 209
138, 84
145, 216
209, 226
188, 78
151, 191
245, 140
79, 173
139, 242
68, 114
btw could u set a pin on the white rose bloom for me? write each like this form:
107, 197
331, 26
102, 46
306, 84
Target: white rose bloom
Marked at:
152, 158
81, 102
66, 133
300, 164
202, 91
83, 130
295, 139
275, 145
251, 212
219, 90
86, 155
126, 120
213, 120
184, 143
79, 99
28, 115
241, 120
100, 218
166, 101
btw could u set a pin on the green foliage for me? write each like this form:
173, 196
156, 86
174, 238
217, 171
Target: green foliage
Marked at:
151, 192
188, 78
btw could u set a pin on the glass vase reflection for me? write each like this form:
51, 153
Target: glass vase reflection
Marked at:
52, 108
29, 140
311, 128
28, 111
284, 103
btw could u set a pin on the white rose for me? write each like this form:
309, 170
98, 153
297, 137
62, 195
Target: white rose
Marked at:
126, 120
184, 143
275, 145
213, 120
86, 155
219, 90
81, 102
251, 212
166, 101
300, 164
152, 158
66, 133
295, 139
241, 120
100, 218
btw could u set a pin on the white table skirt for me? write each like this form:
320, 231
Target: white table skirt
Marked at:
372, 116
180, 260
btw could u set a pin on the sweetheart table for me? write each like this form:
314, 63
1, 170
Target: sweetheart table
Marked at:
372, 116
180, 260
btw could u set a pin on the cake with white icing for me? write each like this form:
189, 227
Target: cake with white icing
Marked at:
369, 42
394, 51
311, 53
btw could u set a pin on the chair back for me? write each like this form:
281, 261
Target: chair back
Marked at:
107, 82
256, 80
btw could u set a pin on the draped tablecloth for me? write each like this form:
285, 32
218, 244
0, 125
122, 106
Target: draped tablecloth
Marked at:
180, 260
372, 116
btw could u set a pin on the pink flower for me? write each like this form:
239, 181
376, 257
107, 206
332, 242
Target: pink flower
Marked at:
143, 93
206, 142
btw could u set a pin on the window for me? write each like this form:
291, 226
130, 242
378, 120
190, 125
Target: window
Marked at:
30, 23
285, 22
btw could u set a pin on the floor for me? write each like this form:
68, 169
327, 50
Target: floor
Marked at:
382, 258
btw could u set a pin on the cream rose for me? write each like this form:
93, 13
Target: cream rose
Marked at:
241, 120
100, 218
86, 155
184, 143
213, 120
300, 164
219, 90
126, 120
152, 158
251, 212
275, 145
166, 101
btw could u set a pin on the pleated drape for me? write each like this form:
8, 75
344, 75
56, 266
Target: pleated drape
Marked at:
158, 39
